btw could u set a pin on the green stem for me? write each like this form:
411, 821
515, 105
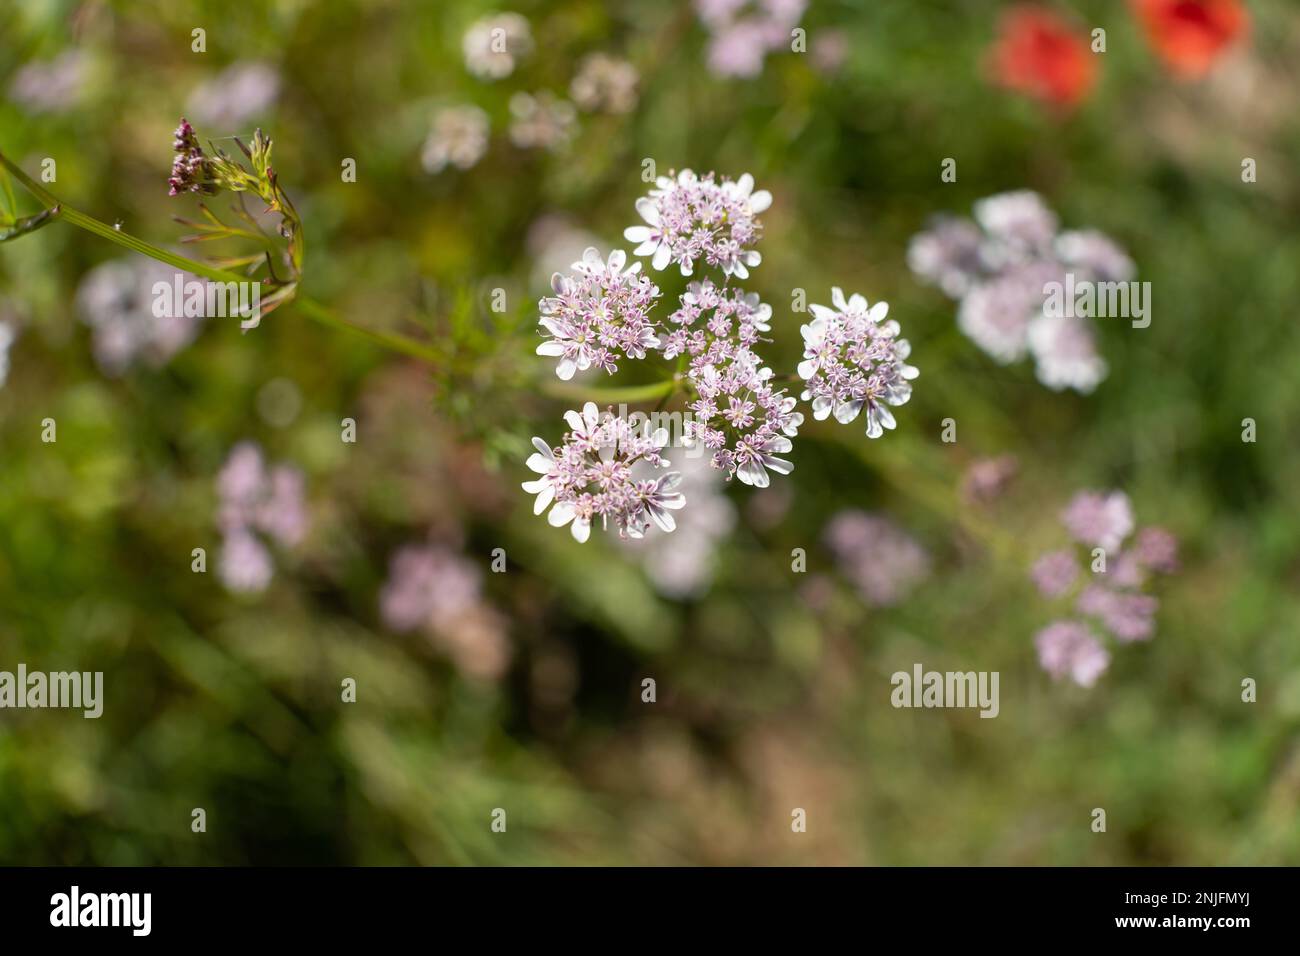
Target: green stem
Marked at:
397, 343
313, 310
626, 393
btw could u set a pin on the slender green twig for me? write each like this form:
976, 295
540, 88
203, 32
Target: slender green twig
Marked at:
627, 393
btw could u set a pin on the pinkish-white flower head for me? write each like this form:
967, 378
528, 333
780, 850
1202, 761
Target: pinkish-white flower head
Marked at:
854, 360
742, 34
1127, 615
1112, 593
949, 254
598, 313
1099, 519
736, 412
245, 563
1019, 222
999, 268
1054, 573
1096, 254
1156, 548
689, 218
995, 314
494, 45
605, 469
1069, 649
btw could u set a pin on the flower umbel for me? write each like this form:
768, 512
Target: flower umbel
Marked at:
605, 468
691, 218
998, 266
738, 414
597, 314
853, 359
1113, 595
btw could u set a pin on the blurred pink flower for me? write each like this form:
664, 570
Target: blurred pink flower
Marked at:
252, 499
428, 586
237, 95
1055, 573
987, 479
1099, 519
1069, 649
882, 560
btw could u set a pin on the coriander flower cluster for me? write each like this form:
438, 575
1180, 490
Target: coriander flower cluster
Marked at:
854, 360
606, 469
1112, 592
597, 314
691, 218
996, 268
736, 411
733, 405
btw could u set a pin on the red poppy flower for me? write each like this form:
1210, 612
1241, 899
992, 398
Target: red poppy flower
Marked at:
1041, 54
1191, 34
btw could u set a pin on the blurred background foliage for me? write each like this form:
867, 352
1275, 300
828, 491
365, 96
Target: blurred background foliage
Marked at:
773, 687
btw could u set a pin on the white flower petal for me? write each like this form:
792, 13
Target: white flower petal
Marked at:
845, 412
752, 473
648, 210
779, 465
561, 515
544, 498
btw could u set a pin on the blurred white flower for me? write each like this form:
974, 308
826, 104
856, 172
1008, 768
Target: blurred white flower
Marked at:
1065, 353
541, 121
459, 138
493, 45
116, 300
605, 83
